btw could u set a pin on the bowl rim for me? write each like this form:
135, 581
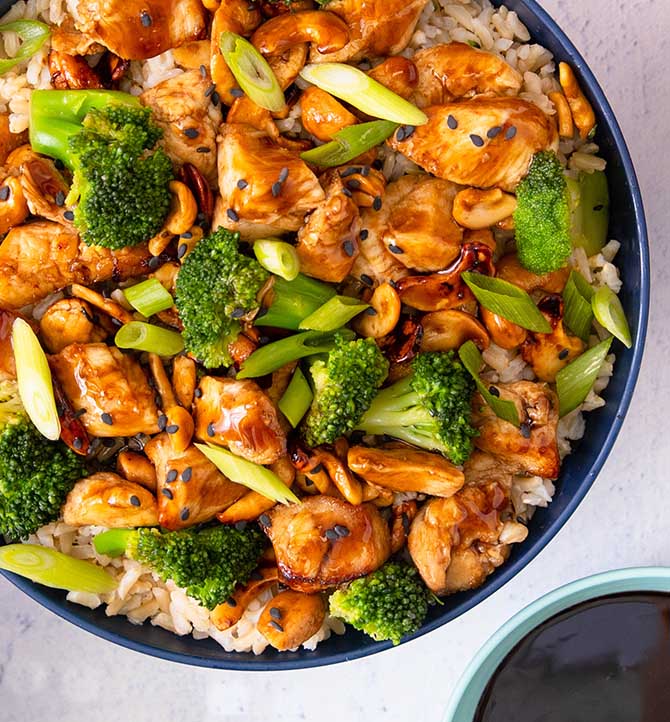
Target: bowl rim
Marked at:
531, 549
473, 682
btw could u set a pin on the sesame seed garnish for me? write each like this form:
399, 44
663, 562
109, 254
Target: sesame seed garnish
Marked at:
405, 523
59, 199
452, 122
145, 19
171, 476
237, 93
265, 520
78, 443
167, 493
191, 132
494, 391
405, 132
370, 311
331, 534
237, 313
181, 250
308, 481
377, 203
348, 248
187, 474
347, 193
275, 612
185, 513
511, 132
317, 469
210, 429
216, 98
365, 171
68, 215
341, 530
59, 164
564, 354
135, 500
188, 235
231, 602
364, 234
162, 422
202, 149
283, 175
210, 89
494, 132
107, 419
477, 140
395, 249
276, 625
240, 525
353, 184
276, 189
352, 170
172, 428
154, 262
198, 393
232, 214
203, 71
242, 184
366, 280
525, 430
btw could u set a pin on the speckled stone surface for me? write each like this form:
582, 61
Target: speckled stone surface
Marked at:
52, 671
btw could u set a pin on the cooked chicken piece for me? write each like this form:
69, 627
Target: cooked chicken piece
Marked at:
254, 199
376, 28
455, 543
449, 330
182, 108
65, 38
420, 230
225, 615
140, 29
322, 115
406, 469
328, 242
110, 386
106, 499
14, 208
403, 516
72, 72
43, 257
7, 362
481, 469
324, 542
456, 70
136, 467
190, 489
291, 618
70, 320
548, 353
481, 142
397, 74
503, 333
8, 140
509, 268
531, 449
238, 415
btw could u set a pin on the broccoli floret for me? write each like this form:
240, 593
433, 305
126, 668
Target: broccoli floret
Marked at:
387, 604
208, 563
542, 217
344, 386
429, 408
36, 474
120, 178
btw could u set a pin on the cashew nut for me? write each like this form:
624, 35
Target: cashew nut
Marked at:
180, 428
193, 54
509, 268
383, 315
327, 31
287, 65
503, 333
566, 126
136, 468
248, 508
449, 330
112, 308
184, 380
323, 115
477, 209
183, 209
14, 209
582, 111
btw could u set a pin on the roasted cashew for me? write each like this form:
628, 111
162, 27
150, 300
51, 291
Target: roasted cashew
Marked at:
383, 315
322, 115
477, 209
225, 615
136, 468
566, 125
582, 111
183, 209
449, 330
192, 55
503, 333
325, 30
248, 508
112, 308
184, 380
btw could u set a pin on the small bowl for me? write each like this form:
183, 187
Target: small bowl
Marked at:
578, 473
476, 677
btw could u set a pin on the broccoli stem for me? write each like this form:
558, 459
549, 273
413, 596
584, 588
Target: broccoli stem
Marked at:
293, 301
114, 542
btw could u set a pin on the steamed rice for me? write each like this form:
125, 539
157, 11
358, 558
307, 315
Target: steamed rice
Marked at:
141, 596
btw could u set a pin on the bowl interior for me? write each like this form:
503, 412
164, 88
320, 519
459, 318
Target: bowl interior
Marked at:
579, 471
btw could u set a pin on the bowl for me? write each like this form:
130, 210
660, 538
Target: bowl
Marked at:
476, 677
579, 471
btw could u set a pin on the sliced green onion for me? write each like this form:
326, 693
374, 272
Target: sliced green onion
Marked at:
141, 336
296, 399
610, 314
590, 203
360, 90
293, 301
113, 542
578, 314
278, 257
472, 360
252, 72
33, 35
507, 300
334, 314
574, 382
349, 143
269, 358
253, 476
148, 297
34, 380
54, 569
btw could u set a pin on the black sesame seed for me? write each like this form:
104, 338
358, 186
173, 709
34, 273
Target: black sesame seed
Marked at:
172, 428
107, 419
405, 523
154, 262
68, 215
232, 214
275, 612
494, 391
564, 354
187, 474
276, 625
276, 189
283, 175
162, 422
363, 235
145, 19
400, 133
308, 482
210, 430
237, 93
240, 525
242, 184
353, 184
341, 530
510, 133
185, 513
171, 476
370, 311
202, 149
365, 171
525, 430
494, 132
203, 71
263, 340
317, 469
452, 122
347, 193
395, 249
366, 280
262, 312
188, 235
210, 89
392, 283
231, 602
60, 198
108, 443
181, 250
348, 248
599, 207
167, 493
191, 132
237, 313
216, 98
265, 520
477, 140
331, 534
198, 393
377, 203
352, 170
78, 443
135, 500
407, 131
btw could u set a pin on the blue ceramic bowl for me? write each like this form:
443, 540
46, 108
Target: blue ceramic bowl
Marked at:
579, 471
476, 677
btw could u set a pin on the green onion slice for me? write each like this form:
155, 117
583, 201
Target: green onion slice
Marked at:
278, 257
293, 301
578, 314
610, 314
358, 89
252, 72
589, 205
148, 297
141, 336
574, 382
349, 143
507, 300
334, 314
33, 35
253, 476
34, 380
472, 360
269, 358
55, 569
296, 399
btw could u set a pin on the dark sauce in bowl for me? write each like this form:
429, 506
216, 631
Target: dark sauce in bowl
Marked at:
605, 660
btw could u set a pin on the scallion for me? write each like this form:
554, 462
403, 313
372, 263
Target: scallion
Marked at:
292, 301
278, 257
255, 477
574, 382
349, 143
334, 314
610, 314
578, 314
33, 35
141, 336
34, 380
54, 569
590, 204
507, 300
252, 72
360, 90
148, 297
472, 360
296, 399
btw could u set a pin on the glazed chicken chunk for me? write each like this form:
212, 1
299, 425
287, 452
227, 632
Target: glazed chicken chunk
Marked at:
481, 142
324, 541
68, 321
108, 387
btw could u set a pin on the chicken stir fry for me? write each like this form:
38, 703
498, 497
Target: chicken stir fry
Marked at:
308, 346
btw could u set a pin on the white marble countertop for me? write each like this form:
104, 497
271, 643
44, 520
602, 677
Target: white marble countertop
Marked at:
50, 670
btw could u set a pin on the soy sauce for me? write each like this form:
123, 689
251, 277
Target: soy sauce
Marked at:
606, 660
